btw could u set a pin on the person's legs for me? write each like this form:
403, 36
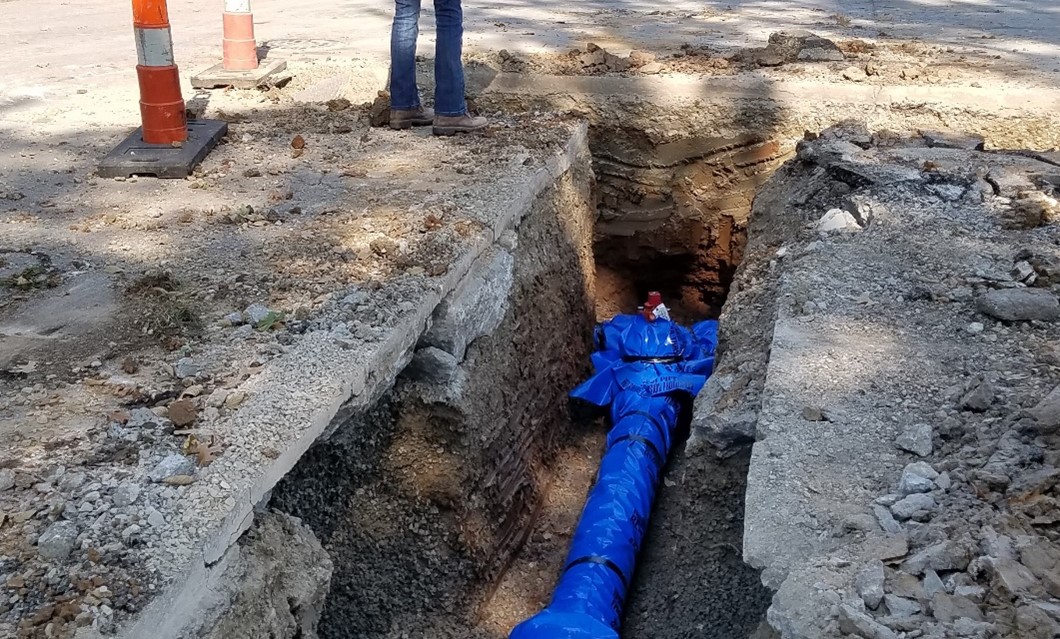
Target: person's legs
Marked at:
448, 68
452, 116
404, 95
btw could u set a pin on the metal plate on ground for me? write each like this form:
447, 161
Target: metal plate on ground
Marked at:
217, 76
135, 157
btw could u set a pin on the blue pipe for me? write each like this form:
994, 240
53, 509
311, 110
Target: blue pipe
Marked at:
646, 370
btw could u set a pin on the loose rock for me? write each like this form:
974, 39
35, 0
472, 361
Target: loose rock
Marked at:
57, 541
126, 494
913, 504
172, 466
1019, 304
183, 412
869, 584
916, 439
917, 477
7, 479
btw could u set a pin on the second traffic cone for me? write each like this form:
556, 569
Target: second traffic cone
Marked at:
240, 66
240, 47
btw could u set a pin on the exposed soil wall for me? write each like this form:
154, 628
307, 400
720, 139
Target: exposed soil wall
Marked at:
422, 500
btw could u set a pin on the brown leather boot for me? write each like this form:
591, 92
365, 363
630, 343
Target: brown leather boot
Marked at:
453, 124
408, 118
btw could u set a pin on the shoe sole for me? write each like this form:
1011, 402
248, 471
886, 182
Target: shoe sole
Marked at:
398, 126
454, 130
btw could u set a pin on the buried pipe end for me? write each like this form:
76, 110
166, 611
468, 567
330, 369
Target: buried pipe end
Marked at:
561, 625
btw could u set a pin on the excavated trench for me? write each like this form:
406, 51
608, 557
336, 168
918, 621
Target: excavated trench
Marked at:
447, 507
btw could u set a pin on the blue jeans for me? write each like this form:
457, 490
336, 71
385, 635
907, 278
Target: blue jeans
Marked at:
448, 69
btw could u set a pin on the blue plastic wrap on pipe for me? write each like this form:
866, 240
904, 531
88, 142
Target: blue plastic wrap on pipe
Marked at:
646, 369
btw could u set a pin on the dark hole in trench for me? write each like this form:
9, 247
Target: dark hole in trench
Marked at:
419, 554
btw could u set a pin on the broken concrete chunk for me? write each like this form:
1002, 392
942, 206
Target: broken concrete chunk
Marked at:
7, 479
859, 624
910, 506
186, 367
932, 583
869, 584
916, 439
1019, 304
944, 556
1010, 578
475, 308
953, 140
980, 398
887, 520
901, 607
57, 541
126, 494
947, 608
917, 477
837, 221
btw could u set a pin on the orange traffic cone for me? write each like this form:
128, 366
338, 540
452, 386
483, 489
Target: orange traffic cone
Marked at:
240, 67
167, 145
161, 104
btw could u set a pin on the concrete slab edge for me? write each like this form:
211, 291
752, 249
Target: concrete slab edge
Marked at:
363, 383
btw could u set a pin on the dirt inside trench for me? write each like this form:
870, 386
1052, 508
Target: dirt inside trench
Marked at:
448, 506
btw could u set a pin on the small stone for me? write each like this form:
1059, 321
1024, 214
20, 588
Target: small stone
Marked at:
917, 477
652, 68
217, 398
947, 608
975, 328
908, 507
193, 391
944, 481
172, 466
901, 607
837, 221
72, 481
130, 532
155, 518
980, 398
185, 367
256, 313
234, 400
234, 319
1020, 304
887, 521
7, 479
183, 412
57, 541
126, 494
869, 584
916, 439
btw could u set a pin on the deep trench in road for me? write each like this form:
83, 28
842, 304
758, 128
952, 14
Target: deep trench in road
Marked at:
448, 506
